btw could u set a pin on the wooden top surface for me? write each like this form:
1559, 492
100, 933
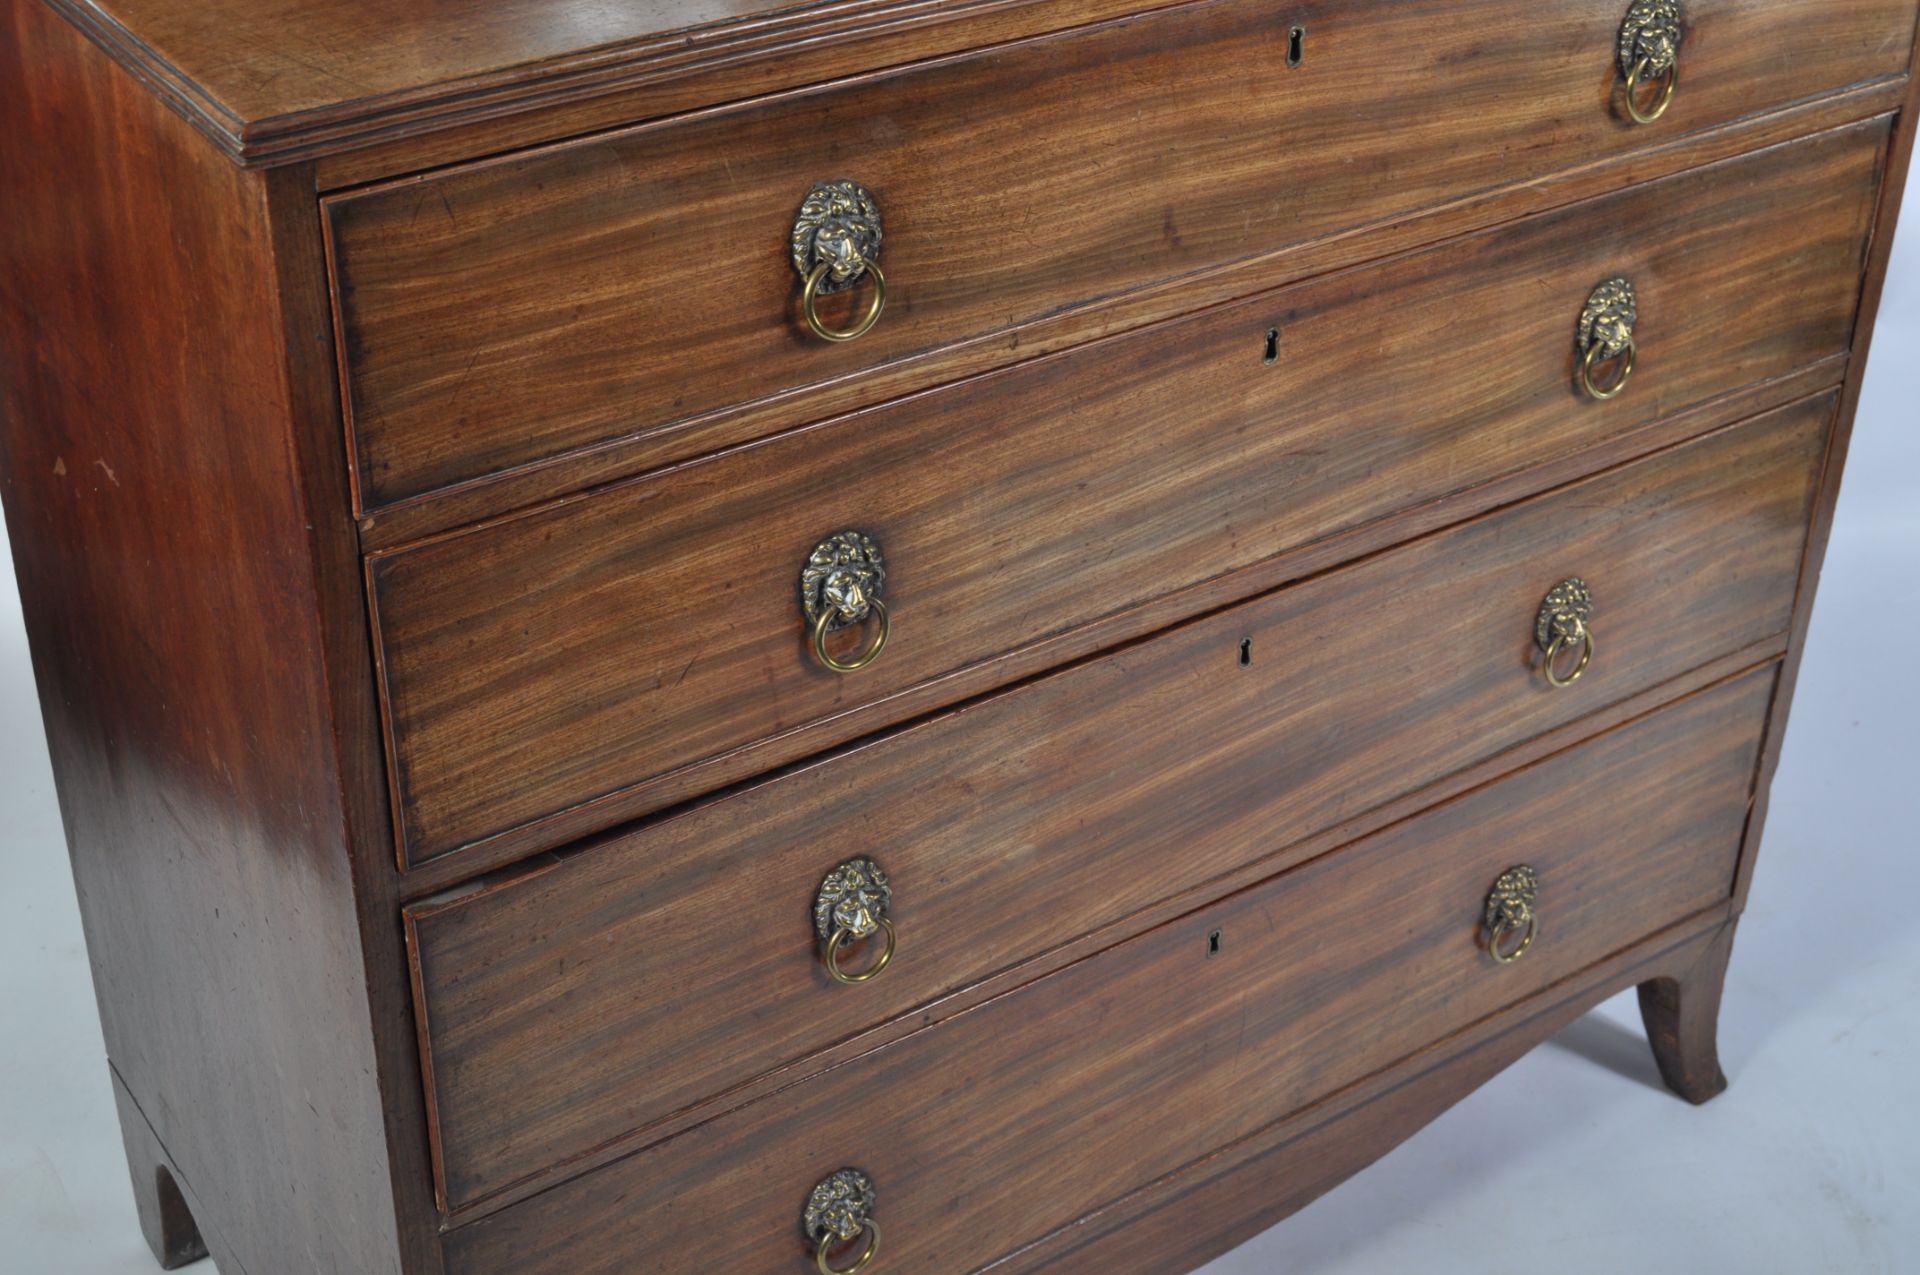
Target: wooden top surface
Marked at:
282, 80
274, 77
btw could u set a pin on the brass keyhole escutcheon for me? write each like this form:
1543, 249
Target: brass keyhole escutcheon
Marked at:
1607, 348
1512, 914
851, 908
1565, 623
838, 1212
1650, 57
836, 244
840, 587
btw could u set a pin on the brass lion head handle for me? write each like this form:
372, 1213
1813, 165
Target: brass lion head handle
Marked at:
1650, 55
836, 243
1511, 913
840, 586
1606, 338
1565, 623
851, 908
840, 1211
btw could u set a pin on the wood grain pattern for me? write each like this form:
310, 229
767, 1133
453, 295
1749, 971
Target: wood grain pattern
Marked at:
1194, 1216
450, 508
1068, 950
1007, 1122
1055, 809
276, 80
699, 73
635, 1044
356, 747
520, 309
160, 531
606, 642
271, 80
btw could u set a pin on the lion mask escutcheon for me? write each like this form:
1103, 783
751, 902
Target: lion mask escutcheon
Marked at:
853, 898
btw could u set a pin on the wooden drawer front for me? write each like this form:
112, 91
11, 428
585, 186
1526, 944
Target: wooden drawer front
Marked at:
591, 649
1013, 1119
499, 313
608, 988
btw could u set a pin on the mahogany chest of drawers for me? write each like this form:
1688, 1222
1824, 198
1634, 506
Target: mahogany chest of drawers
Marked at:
897, 636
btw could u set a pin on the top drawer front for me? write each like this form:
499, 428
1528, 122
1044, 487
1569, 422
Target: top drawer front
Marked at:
498, 314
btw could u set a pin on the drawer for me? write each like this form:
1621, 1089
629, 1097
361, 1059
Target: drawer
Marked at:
570, 1006
496, 314
989, 1131
594, 648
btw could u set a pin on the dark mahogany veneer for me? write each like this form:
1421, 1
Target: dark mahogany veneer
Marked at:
409, 447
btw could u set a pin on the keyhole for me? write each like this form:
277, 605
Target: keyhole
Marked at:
1213, 945
1273, 345
1296, 46
1246, 652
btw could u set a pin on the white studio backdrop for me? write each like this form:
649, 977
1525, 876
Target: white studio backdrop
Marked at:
1575, 1161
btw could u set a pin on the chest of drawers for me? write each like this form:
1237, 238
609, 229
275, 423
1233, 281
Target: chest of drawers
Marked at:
906, 637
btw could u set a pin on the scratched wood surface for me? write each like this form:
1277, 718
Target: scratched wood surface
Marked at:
523, 308
1005, 1123
597, 647
1071, 803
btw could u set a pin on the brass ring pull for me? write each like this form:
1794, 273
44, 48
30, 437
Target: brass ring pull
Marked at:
836, 243
1596, 355
1512, 908
839, 1211
850, 908
1549, 666
840, 586
1605, 335
823, 1260
865, 322
1496, 941
1636, 78
875, 608
1649, 53
844, 938
1565, 620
